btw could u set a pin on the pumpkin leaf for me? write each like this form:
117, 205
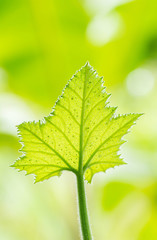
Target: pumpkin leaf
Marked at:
81, 134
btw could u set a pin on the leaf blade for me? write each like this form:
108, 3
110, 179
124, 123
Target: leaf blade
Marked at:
81, 134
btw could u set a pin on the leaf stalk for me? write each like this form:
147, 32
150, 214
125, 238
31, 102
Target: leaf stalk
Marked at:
83, 212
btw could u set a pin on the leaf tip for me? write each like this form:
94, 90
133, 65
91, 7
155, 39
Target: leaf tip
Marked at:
87, 64
12, 165
35, 181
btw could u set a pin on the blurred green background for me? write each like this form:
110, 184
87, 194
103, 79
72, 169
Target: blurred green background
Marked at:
42, 44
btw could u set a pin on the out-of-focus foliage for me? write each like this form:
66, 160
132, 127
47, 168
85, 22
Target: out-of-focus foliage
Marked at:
41, 44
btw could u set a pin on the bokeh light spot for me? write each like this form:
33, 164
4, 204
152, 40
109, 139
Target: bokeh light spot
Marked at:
13, 111
140, 82
104, 6
101, 29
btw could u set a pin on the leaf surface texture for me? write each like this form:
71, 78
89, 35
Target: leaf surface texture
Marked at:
81, 133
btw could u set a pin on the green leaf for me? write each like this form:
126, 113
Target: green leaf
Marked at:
81, 134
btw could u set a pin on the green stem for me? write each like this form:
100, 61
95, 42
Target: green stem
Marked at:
86, 233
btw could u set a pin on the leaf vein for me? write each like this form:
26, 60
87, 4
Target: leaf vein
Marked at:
63, 135
93, 108
75, 93
92, 88
58, 154
97, 125
69, 113
106, 140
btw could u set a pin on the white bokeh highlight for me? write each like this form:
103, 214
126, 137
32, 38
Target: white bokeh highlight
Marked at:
13, 111
140, 82
103, 6
102, 30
